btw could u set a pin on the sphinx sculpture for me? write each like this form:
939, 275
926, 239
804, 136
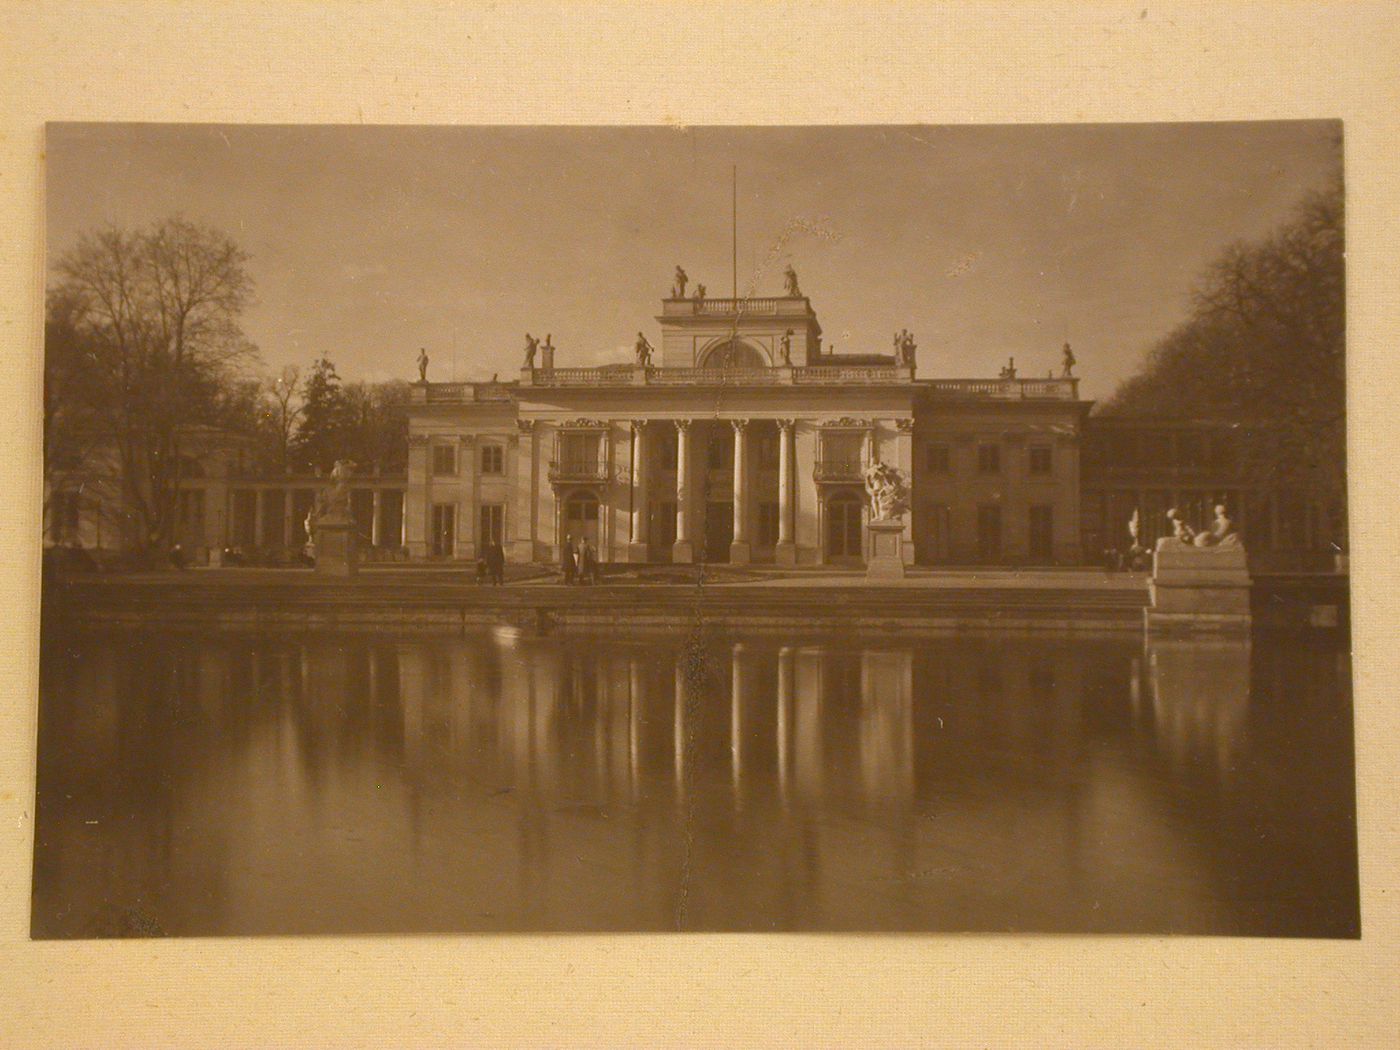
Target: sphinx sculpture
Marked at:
1221, 534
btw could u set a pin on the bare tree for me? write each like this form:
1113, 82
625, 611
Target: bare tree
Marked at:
156, 314
283, 411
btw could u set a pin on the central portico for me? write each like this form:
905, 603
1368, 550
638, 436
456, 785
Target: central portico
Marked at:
739, 440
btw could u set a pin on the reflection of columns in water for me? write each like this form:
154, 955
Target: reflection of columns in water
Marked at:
1200, 699
785, 676
737, 681
807, 765
634, 715
886, 724
678, 728
412, 683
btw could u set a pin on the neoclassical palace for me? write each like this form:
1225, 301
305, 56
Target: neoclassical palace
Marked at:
740, 440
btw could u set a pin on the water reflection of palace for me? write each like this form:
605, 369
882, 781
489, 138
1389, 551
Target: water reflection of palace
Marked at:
452, 783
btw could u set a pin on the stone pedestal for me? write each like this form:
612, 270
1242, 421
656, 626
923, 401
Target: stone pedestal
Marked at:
682, 552
638, 553
337, 549
785, 555
886, 560
740, 553
1199, 588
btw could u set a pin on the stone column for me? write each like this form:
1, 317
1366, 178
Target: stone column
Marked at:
683, 552
637, 549
288, 538
806, 534
740, 550
904, 460
416, 496
259, 515
522, 529
786, 552
374, 524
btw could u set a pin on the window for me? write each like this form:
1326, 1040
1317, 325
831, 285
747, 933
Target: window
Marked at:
493, 459
989, 533
1042, 534
767, 524
938, 459
719, 451
988, 459
1040, 459
578, 453
766, 449
843, 451
444, 460
444, 534
493, 517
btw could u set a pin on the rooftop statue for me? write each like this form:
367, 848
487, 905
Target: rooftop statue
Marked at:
1009, 372
889, 495
644, 350
785, 347
422, 365
904, 347
699, 295
531, 345
790, 282
681, 279
1069, 362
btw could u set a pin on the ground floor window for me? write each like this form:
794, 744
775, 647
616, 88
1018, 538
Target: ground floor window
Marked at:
444, 530
843, 527
989, 533
492, 529
1042, 534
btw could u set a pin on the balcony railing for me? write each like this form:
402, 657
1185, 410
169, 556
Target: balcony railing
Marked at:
755, 306
581, 471
1005, 389
839, 471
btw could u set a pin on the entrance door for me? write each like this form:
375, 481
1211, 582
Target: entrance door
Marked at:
843, 529
581, 517
719, 531
1042, 538
989, 534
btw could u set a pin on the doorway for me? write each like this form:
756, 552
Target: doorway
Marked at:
844, 538
581, 517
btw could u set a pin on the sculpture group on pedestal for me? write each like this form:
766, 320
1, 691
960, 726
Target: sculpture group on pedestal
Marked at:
1220, 534
904, 347
889, 495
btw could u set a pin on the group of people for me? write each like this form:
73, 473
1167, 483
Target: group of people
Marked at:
579, 560
491, 565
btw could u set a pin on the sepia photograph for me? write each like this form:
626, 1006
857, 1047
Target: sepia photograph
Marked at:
641, 529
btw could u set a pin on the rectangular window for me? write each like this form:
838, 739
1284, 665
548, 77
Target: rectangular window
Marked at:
1040, 460
938, 459
444, 534
767, 524
578, 453
493, 516
766, 449
666, 453
843, 452
444, 461
989, 533
988, 459
1042, 534
493, 459
719, 452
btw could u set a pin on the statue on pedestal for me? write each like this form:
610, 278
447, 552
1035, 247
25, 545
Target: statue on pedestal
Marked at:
1220, 534
1069, 362
1009, 372
643, 350
785, 347
678, 291
889, 495
790, 282
904, 347
531, 345
422, 365
699, 296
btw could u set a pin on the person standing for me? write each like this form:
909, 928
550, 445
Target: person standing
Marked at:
587, 562
497, 563
567, 560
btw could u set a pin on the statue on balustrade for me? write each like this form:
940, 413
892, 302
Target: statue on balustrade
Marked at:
699, 296
531, 346
643, 350
889, 495
790, 282
1069, 362
422, 365
785, 347
1009, 372
679, 290
904, 347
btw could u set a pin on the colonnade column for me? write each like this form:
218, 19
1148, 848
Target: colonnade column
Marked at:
786, 552
259, 515
683, 552
637, 548
288, 539
739, 549
375, 512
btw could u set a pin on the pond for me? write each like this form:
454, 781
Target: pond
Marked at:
234, 785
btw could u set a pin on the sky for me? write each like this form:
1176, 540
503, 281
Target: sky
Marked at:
986, 242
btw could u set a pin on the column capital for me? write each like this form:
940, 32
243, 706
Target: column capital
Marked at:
638, 424
739, 425
525, 426
682, 425
785, 424
904, 426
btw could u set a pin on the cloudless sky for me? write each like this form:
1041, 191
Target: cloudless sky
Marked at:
984, 241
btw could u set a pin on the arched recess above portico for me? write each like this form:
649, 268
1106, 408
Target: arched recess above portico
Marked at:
732, 353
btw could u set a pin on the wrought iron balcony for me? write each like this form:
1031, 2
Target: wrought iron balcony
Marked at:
839, 472
578, 472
